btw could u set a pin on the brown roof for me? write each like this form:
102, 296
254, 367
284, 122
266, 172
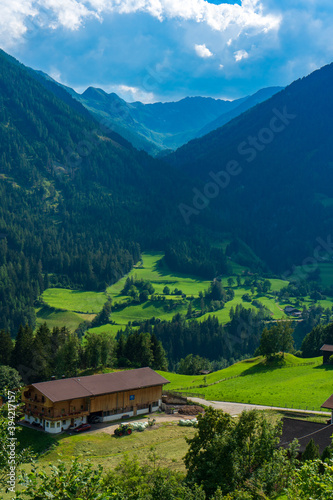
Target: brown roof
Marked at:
328, 403
95, 385
327, 347
304, 431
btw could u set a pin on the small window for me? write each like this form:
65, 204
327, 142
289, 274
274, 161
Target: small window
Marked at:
43, 399
81, 407
62, 410
47, 424
49, 410
64, 422
42, 410
52, 424
58, 424
35, 407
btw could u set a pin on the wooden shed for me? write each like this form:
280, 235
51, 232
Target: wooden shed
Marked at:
327, 351
59, 404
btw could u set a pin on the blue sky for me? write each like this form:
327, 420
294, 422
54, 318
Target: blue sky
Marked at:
162, 50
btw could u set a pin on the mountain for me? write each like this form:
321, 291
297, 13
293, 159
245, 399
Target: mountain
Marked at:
249, 102
78, 201
268, 173
154, 127
160, 127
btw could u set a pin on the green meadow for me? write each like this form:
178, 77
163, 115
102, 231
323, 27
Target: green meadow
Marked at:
70, 307
74, 300
289, 382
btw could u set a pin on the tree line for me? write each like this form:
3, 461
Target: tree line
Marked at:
59, 352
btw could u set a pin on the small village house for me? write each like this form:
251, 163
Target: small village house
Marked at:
57, 405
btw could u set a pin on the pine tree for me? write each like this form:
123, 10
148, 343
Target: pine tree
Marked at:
6, 348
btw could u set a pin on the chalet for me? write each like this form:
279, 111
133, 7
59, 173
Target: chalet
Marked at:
59, 404
327, 351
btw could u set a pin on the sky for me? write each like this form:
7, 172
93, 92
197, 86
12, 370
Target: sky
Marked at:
164, 50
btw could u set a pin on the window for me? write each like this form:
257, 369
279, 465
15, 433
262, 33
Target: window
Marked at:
58, 424
81, 407
63, 410
52, 424
43, 399
64, 422
47, 424
42, 410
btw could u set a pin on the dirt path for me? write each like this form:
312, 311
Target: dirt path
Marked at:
237, 408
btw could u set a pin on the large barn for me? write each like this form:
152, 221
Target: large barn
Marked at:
59, 404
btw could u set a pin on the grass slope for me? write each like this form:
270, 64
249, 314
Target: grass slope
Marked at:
153, 269
291, 383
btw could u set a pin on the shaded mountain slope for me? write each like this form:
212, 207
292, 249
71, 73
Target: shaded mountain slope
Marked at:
278, 194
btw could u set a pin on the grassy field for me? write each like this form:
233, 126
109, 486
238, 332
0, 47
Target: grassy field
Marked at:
75, 300
66, 304
55, 317
292, 383
70, 307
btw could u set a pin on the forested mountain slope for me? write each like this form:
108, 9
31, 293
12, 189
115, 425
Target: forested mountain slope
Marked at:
73, 197
160, 126
277, 190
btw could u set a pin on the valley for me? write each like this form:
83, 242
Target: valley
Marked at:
73, 306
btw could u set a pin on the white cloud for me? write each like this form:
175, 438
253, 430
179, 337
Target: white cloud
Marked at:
221, 66
240, 54
71, 14
14, 14
203, 51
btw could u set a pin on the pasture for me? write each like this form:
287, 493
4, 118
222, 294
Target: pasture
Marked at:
290, 382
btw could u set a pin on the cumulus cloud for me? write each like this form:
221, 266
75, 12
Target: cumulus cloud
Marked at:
71, 14
241, 54
203, 51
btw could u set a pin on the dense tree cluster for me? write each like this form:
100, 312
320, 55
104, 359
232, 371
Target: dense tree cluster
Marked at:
197, 258
207, 338
59, 352
313, 341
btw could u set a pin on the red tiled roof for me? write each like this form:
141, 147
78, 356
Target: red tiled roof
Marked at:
95, 385
327, 348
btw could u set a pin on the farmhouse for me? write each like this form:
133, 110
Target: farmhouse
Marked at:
327, 351
59, 404
292, 311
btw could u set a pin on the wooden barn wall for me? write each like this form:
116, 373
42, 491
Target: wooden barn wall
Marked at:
122, 399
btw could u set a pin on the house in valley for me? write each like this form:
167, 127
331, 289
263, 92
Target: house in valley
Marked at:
57, 405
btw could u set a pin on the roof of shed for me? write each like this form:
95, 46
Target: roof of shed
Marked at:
327, 347
328, 403
95, 385
304, 431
